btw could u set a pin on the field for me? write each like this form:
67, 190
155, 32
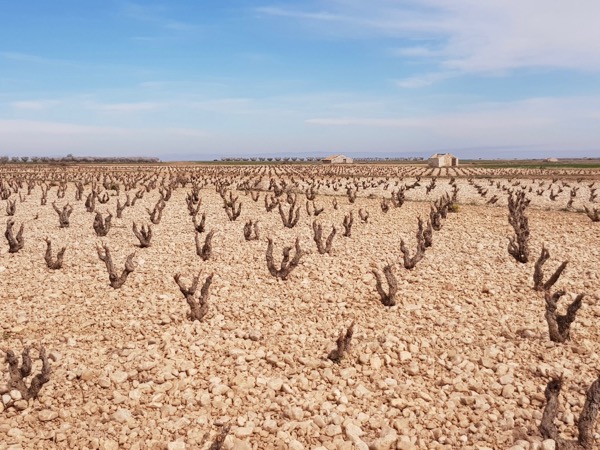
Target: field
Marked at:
460, 361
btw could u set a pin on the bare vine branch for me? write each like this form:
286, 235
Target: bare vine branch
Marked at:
286, 265
538, 274
53, 264
387, 298
559, 326
198, 306
343, 343
585, 424
116, 281
18, 375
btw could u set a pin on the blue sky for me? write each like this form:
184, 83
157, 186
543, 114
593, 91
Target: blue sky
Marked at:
206, 79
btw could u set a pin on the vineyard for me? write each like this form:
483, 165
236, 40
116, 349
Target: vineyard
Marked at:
296, 306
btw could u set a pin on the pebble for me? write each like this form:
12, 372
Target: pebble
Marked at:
21, 405
14, 432
119, 377
109, 444
413, 369
508, 391
123, 415
46, 415
119, 398
405, 356
333, 430
270, 425
405, 445
364, 358
385, 442
219, 389
87, 375
296, 445
353, 432
548, 444
348, 372
243, 432
254, 335
275, 384
361, 391
238, 444
376, 362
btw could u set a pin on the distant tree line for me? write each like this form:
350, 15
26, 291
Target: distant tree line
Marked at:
145, 160
313, 158
270, 159
78, 159
396, 158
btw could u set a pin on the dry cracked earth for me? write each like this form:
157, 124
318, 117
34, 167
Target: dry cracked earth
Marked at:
461, 361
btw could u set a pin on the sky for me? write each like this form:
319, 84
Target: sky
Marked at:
190, 79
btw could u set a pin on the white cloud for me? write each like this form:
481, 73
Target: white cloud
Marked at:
416, 52
368, 122
472, 35
284, 12
424, 80
563, 123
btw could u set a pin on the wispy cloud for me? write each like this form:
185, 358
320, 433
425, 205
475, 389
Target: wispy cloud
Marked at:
25, 57
225, 105
34, 127
33, 105
157, 15
125, 107
297, 14
469, 35
40, 138
20, 127
359, 19
34, 59
152, 84
522, 114
543, 122
425, 79
416, 52
367, 122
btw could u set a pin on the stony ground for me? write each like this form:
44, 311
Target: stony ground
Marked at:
460, 362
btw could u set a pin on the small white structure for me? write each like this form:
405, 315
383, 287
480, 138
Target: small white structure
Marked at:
551, 160
337, 159
442, 160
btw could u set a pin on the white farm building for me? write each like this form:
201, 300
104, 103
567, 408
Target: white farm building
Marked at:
337, 159
442, 160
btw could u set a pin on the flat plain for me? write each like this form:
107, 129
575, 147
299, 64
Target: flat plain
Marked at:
460, 361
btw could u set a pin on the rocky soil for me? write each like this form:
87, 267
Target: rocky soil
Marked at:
461, 361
